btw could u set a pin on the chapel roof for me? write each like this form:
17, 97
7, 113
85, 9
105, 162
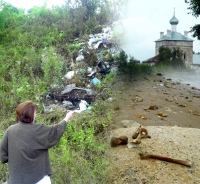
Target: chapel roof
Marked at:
174, 36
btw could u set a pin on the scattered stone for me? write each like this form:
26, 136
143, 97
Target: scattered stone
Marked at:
116, 141
169, 99
194, 112
138, 99
153, 107
141, 116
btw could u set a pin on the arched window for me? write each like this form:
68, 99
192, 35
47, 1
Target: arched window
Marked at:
184, 56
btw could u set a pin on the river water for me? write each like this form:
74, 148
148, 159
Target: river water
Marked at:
192, 78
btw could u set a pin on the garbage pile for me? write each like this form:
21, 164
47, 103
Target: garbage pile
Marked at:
93, 62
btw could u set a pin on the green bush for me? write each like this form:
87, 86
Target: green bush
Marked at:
171, 58
53, 67
130, 67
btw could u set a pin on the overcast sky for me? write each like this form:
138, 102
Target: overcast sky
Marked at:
144, 20
27, 4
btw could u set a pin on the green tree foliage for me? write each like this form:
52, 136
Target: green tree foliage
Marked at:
130, 67
164, 56
171, 57
34, 45
196, 31
194, 7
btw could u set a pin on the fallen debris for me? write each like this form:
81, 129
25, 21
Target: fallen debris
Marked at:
194, 112
137, 99
169, 99
180, 105
196, 96
141, 116
182, 162
115, 141
82, 106
159, 74
140, 133
153, 107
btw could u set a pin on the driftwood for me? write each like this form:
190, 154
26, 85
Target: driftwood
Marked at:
182, 162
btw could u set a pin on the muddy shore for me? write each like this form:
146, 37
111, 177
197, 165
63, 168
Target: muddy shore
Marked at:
158, 101
170, 111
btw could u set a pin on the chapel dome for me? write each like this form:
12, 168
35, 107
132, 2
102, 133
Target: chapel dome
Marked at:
174, 21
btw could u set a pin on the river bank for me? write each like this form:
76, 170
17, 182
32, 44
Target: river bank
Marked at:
144, 98
170, 111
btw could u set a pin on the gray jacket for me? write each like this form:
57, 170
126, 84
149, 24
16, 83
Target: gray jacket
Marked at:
25, 147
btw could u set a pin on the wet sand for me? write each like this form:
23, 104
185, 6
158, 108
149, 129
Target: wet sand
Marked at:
170, 111
158, 101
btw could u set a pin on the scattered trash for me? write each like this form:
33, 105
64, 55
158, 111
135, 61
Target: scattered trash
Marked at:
67, 104
89, 70
114, 69
80, 57
50, 108
69, 75
89, 108
67, 97
96, 81
82, 106
105, 41
98, 44
103, 68
110, 99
